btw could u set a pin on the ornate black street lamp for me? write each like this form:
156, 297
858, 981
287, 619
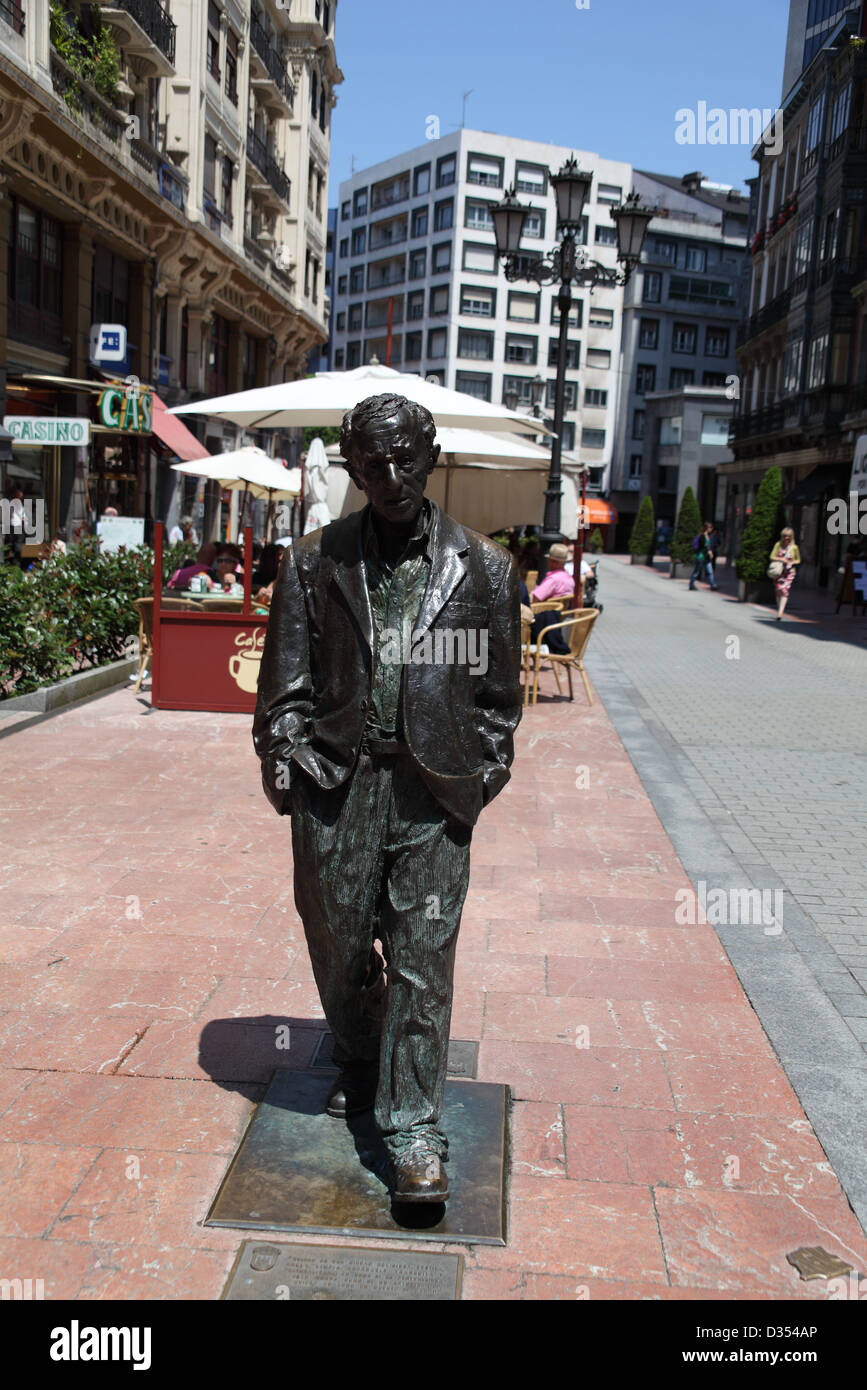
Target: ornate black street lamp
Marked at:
567, 264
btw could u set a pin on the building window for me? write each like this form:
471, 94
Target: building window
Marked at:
473, 343
638, 424
669, 429
355, 315
576, 313
232, 67
110, 299
346, 210
436, 342
444, 215
816, 363
568, 435
792, 363
594, 397
582, 232
696, 258
415, 304
478, 216
840, 112
339, 359
481, 259
439, 301
474, 384
531, 178
716, 342
648, 334
417, 264
534, 225
209, 176
226, 173
605, 235
573, 353
218, 356
609, 193
601, 318
413, 346
592, 439
679, 377
421, 180
599, 357
341, 322
714, 379
353, 354
803, 246
635, 461
521, 349
652, 292
36, 275
341, 284
662, 250
570, 395
477, 301
523, 306
520, 385
683, 338
389, 192
441, 257
356, 279
829, 235
212, 55
485, 170
645, 378
814, 124
250, 370
359, 239
419, 222
344, 248
359, 203
715, 430
446, 170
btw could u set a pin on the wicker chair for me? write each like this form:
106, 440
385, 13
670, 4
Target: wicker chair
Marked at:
145, 608
580, 624
528, 648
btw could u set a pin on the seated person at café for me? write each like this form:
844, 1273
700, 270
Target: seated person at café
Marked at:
201, 565
266, 571
227, 571
557, 584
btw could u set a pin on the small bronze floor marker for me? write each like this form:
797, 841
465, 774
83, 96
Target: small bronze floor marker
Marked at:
812, 1262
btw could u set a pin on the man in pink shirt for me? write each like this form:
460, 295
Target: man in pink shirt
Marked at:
556, 584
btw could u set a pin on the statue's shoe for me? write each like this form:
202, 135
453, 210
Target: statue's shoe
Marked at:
420, 1176
353, 1092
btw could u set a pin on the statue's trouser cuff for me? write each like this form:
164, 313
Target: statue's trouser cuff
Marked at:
380, 853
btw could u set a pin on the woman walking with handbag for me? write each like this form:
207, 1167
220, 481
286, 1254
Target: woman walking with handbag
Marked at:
785, 556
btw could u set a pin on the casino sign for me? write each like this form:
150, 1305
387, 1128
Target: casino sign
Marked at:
127, 409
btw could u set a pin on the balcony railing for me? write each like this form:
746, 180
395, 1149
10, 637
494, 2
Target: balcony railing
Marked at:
83, 101
12, 13
274, 65
150, 16
766, 317
265, 162
395, 278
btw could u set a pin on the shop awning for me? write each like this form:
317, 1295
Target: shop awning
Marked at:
174, 434
599, 513
809, 489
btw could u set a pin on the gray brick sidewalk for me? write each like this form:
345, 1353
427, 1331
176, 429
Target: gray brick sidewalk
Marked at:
748, 736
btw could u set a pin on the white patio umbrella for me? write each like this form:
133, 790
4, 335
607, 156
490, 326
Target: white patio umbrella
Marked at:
249, 470
323, 399
316, 487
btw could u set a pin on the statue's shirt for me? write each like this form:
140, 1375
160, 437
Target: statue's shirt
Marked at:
396, 594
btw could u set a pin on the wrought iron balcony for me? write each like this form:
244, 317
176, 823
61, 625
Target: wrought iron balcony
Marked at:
765, 318
274, 64
151, 18
265, 162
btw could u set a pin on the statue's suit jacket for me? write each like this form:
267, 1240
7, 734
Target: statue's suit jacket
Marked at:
315, 679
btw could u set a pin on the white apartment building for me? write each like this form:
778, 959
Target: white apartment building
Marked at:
415, 249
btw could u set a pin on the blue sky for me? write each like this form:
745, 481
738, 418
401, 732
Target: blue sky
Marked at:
608, 78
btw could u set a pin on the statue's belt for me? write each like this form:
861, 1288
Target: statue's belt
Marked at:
381, 743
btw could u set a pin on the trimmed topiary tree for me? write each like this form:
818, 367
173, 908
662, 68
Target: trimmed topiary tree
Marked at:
643, 530
597, 545
761, 531
687, 528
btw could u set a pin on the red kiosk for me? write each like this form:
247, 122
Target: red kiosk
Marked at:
205, 660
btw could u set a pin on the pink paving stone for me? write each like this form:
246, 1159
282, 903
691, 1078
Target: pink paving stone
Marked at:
75, 1041
744, 1085
660, 982
537, 1139
719, 1152
739, 1240
592, 939
64, 1269
525, 974
571, 1021
729, 1028
110, 993
12, 1083
42, 1178
140, 1272
595, 1075
491, 1285
230, 1050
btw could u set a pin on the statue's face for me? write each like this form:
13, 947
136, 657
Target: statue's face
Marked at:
392, 463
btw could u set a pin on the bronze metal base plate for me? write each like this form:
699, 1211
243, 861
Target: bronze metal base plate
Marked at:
305, 1273
298, 1169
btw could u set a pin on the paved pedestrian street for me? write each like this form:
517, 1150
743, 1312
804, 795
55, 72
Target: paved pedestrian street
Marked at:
748, 735
659, 1150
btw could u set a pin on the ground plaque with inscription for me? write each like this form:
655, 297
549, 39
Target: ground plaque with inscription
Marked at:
306, 1273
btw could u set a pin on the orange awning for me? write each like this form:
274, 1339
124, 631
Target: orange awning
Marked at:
598, 512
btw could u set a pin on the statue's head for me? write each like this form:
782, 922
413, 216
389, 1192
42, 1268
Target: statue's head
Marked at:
388, 444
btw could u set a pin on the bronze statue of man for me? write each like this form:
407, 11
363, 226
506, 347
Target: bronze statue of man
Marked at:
388, 699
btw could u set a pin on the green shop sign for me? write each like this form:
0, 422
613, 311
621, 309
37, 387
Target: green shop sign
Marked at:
48, 429
125, 408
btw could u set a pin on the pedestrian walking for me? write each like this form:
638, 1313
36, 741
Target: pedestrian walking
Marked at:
785, 557
703, 557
